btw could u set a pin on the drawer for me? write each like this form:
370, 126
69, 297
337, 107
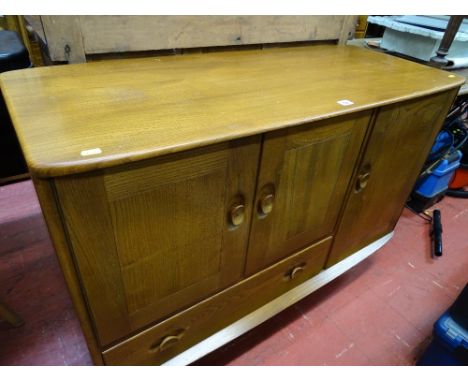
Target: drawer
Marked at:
178, 333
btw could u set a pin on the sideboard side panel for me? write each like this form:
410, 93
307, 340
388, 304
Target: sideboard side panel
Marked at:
46, 196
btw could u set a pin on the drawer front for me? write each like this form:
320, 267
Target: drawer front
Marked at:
176, 334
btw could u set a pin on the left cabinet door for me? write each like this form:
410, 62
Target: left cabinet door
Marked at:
154, 237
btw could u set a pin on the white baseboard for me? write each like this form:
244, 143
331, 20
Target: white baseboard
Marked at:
275, 306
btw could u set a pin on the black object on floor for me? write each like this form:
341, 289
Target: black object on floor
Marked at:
437, 233
13, 55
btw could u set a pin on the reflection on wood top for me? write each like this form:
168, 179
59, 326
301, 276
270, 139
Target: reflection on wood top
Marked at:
75, 118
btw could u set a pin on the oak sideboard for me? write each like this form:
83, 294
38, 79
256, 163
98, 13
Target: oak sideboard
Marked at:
191, 197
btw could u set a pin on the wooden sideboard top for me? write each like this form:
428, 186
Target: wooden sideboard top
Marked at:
76, 118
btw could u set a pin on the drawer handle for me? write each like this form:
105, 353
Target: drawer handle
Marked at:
265, 205
166, 342
294, 272
237, 215
362, 181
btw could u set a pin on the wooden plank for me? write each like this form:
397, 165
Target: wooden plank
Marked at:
104, 34
64, 40
35, 22
75, 118
347, 29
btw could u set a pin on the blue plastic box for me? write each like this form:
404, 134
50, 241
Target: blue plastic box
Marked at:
438, 181
449, 346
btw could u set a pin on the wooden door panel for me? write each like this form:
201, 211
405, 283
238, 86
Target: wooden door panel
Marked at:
165, 241
398, 146
307, 169
160, 257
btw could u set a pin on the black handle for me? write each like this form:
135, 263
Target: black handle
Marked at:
437, 233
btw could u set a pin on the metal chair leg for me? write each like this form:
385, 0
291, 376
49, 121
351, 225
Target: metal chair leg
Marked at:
449, 35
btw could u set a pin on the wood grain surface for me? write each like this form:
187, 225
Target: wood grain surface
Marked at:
157, 236
398, 146
306, 170
203, 319
103, 34
79, 38
75, 118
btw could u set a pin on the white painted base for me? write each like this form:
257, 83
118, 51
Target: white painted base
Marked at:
275, 306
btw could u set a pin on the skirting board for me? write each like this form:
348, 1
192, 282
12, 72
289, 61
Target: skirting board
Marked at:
275, 306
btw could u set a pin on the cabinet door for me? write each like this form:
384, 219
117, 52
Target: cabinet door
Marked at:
398, 146
304, 174
150, 239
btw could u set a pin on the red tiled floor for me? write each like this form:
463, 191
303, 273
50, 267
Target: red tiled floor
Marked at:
378, 313
382, 334
31, 283
335, 348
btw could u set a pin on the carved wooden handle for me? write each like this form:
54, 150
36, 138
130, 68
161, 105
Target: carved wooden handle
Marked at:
362, 181
293, 273
166, 342
237, 215
265, 204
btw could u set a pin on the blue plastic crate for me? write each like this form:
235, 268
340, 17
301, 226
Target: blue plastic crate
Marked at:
450, 341
440, 177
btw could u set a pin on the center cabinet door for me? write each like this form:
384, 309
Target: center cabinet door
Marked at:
304, 175
152, 238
